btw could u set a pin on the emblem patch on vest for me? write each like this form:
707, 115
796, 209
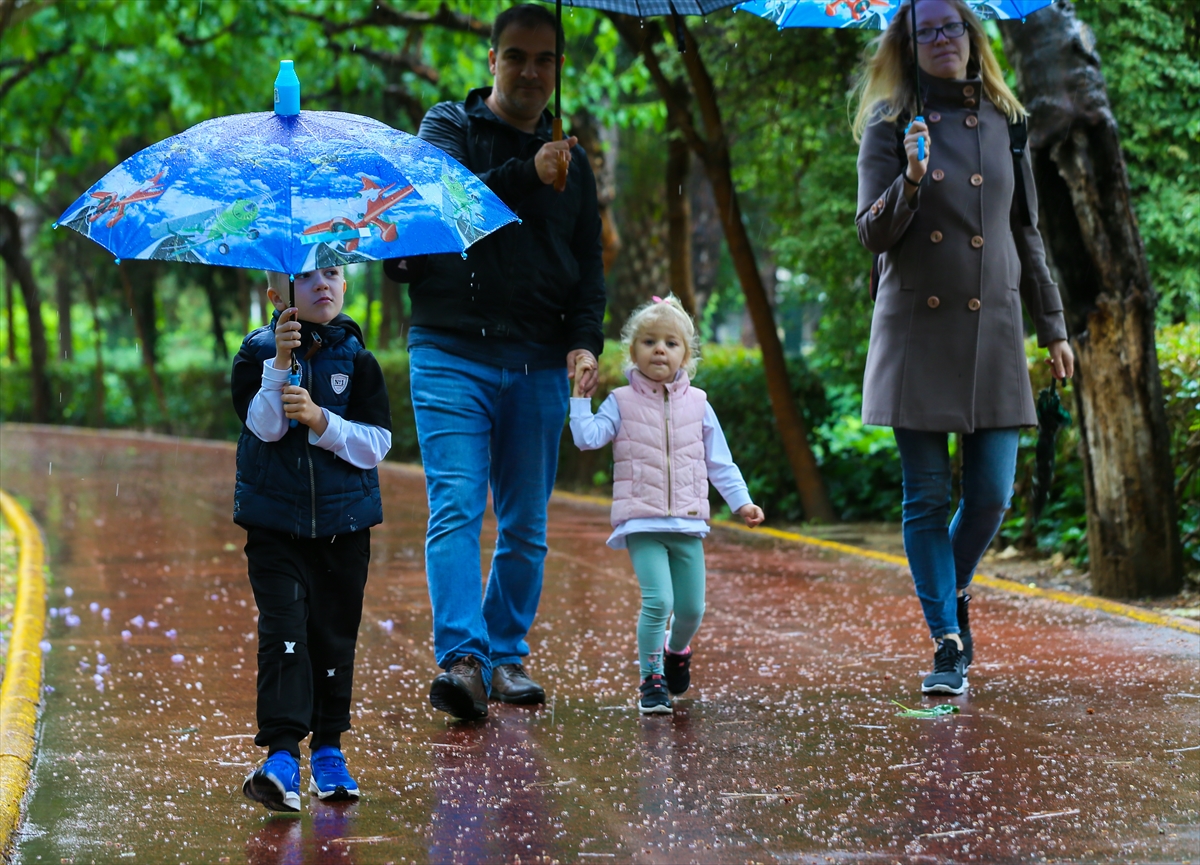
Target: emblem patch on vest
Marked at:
339, 380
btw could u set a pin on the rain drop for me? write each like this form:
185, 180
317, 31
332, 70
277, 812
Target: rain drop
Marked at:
177, 658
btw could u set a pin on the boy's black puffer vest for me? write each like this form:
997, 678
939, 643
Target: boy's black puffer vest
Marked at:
290, 485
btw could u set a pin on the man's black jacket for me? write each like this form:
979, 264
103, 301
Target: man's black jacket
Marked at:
541, 280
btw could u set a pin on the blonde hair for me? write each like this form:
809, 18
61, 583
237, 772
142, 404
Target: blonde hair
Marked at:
886, 89
667, 312
279, 281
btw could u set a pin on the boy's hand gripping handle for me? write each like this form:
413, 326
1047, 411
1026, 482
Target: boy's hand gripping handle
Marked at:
294, 379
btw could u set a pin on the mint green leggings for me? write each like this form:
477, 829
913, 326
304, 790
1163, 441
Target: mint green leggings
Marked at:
670, 570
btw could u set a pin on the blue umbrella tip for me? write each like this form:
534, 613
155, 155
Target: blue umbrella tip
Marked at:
54, 225
464, 255
116, 261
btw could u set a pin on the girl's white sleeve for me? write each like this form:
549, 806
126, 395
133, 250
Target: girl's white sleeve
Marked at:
362, 445
265, 417
592, 431
723, 473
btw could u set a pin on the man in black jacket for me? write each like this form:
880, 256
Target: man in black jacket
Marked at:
491, 334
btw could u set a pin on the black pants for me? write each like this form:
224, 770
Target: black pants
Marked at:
309, 593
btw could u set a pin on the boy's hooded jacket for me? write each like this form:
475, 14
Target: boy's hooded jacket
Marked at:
293, 486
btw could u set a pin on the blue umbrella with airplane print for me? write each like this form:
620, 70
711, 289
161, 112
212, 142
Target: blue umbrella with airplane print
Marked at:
289, 191
870, 14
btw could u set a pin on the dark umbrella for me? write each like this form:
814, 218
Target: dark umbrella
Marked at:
637, 8
1051, 415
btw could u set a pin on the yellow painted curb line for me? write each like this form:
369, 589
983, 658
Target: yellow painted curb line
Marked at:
1086, 601
21, 692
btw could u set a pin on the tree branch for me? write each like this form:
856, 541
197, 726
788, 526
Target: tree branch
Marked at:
39, 60
192, 42
384, 15
405, 61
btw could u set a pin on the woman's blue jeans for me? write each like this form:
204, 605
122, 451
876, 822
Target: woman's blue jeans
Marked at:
943, 562
480, 425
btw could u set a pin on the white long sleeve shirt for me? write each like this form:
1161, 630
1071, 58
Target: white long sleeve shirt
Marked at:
592, 431
362, 445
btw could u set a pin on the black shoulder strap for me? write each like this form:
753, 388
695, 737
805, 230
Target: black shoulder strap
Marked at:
1018, 136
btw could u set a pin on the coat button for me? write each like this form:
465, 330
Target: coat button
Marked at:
972, 121
934, 117
977, 241
933, 302
938, 174
969, 103
973, 304
977, 180
969, 90
936, 237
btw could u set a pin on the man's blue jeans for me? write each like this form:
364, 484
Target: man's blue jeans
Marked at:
943, 562
476, 424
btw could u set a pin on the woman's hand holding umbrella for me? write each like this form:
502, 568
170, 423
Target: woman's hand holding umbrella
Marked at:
918, 157
1061, 359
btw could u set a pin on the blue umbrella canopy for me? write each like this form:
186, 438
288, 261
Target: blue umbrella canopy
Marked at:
647, 8
289, 193
870, 14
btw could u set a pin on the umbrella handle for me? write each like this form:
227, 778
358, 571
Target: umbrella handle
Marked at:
294, 379
920, 141
560, 182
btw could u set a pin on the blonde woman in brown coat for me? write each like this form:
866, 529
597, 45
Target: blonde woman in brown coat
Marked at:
956, 259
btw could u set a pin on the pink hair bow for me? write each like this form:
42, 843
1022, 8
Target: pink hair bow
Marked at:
656, 298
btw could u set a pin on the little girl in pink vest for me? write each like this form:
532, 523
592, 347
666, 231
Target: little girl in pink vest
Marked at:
667, 446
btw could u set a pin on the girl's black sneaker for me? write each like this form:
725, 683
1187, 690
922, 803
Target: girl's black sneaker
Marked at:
676, 670
653, 698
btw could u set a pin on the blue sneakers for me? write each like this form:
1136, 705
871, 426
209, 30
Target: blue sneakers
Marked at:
330, 782
276, 783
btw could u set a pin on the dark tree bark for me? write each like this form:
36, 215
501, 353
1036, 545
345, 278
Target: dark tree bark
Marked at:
679, 212
712, 148
601, 145
62, 299
98, 391
9, 289
213, 292
145, 334
18, 266
1092, 234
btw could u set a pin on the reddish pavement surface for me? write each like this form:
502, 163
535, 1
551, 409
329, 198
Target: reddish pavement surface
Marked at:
1077, 741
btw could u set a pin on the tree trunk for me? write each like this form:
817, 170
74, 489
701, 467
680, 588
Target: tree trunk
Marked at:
369, 280
98, 392
1092, 235
601, 143
713, 150
679, 216
18, 266
147, 346
220, 350
62, 297
9, 311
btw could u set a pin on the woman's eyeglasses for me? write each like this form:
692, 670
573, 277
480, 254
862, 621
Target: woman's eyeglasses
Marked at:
951, 31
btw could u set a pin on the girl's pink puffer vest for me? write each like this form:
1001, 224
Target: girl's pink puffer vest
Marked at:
658, 454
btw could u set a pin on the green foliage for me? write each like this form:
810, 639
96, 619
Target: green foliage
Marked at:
1152, 70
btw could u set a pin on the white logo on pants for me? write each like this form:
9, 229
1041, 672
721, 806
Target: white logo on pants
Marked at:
339, 380
330, 672
289, 648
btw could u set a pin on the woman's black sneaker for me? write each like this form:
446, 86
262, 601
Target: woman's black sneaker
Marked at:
949, 674
653, 698
964, 629
676, 670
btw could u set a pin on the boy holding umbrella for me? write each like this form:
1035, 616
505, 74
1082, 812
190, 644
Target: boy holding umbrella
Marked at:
307, 495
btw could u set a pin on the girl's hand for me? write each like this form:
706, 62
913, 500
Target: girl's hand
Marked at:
916, 167
287, 337
1061, 359
583, 369
751, 514
298, 405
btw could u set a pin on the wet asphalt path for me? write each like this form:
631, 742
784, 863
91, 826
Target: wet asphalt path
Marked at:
1077, 741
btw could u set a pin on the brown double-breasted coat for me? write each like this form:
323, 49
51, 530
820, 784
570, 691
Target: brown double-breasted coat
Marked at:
947, 336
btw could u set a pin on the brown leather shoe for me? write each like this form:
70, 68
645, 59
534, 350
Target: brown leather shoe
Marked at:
460, 690
511, 684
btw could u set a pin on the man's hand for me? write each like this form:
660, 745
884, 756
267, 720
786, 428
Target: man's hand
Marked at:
583, 368
1061, 359
751, 514
298, 405
287, 337
547, 159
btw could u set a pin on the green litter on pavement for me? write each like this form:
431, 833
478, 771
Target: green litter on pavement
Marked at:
936, 712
